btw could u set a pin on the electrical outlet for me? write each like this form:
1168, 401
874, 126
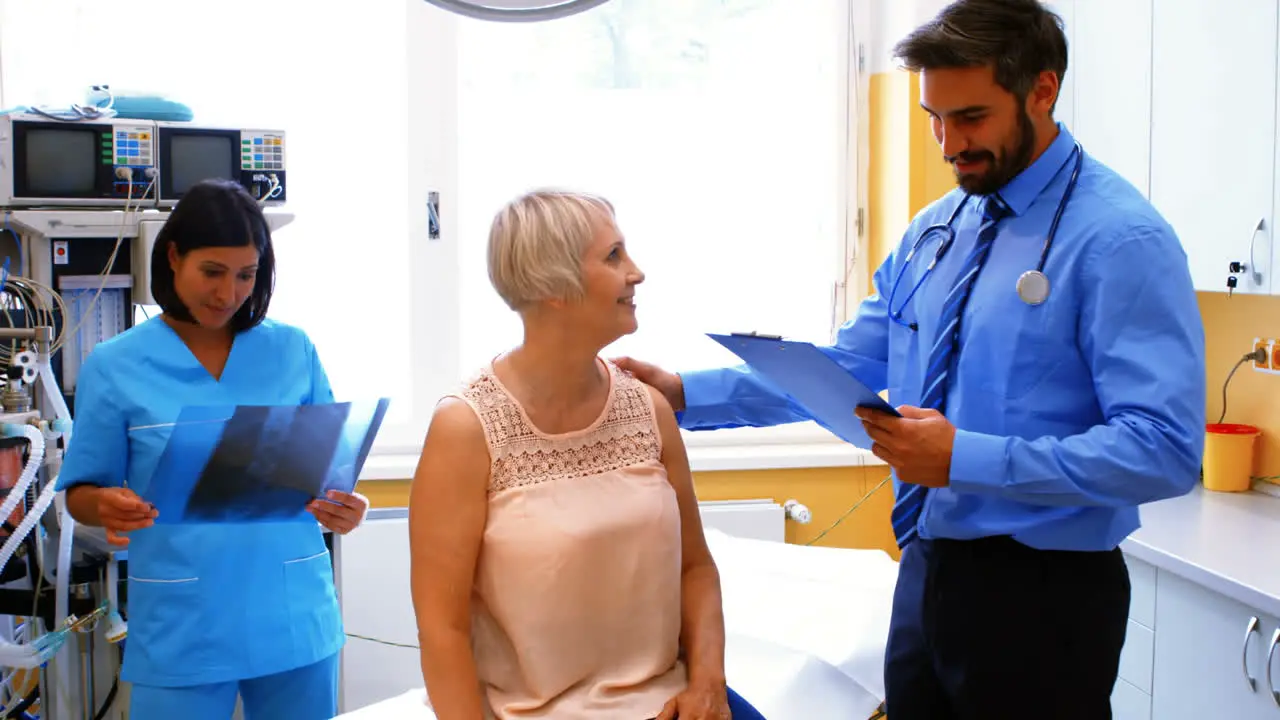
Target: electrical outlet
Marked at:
1265, 346
1271, 356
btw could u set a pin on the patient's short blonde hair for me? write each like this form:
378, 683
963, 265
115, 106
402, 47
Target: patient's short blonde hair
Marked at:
536, 244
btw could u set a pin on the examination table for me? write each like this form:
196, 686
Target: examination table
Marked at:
806, 629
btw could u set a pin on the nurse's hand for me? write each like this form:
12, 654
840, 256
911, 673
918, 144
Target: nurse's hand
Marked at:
120, 510
917, 445
342, 517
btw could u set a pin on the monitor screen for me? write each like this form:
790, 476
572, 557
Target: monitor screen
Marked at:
193, 158
60, 162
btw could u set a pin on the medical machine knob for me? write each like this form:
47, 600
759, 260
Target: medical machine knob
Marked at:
15, 398
30, 365
795, 511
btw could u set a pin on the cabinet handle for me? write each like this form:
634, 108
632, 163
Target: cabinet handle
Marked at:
1253, 240
1244, 653
1271, 653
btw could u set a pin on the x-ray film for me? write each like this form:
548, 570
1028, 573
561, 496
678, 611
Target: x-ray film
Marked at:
253, 462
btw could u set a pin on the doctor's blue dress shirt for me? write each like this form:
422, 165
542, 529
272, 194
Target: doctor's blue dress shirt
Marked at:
208, 602
1069, 414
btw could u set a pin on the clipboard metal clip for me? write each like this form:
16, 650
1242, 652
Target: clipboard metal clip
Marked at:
754, 334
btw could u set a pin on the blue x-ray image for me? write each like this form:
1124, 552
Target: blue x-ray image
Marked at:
252, 462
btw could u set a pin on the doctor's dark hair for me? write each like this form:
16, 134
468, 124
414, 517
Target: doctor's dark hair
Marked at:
215, 213
1019, 39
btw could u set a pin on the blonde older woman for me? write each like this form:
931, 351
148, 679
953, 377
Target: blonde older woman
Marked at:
559, 565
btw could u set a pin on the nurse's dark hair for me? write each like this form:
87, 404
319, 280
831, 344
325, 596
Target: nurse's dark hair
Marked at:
1019, 39
215, 213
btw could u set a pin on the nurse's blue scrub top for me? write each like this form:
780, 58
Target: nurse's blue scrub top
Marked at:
210, 602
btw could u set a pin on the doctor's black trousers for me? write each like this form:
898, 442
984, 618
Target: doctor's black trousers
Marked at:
992, 629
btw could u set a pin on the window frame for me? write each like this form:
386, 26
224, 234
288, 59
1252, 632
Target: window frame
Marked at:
433, 89
432, 94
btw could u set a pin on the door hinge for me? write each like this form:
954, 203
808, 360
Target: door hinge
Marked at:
433, 215
862, 58
858, 221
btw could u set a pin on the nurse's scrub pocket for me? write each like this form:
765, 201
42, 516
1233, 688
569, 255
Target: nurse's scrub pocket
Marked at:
167, 631
314, 618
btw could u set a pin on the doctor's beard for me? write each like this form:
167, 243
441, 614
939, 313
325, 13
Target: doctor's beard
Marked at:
1011, 159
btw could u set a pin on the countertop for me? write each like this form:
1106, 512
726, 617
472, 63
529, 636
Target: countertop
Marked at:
1224, 541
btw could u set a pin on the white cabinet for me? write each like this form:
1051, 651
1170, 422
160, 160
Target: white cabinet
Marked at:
1189, 653
1131, 697
1105, 99
1110, 63
1129, 703
1169, 105
1207, 647
1064, 111
1213, 131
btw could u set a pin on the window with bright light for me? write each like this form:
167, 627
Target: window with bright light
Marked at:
718, 131
722, 133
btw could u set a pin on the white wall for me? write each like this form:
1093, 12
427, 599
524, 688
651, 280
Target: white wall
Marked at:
893, 19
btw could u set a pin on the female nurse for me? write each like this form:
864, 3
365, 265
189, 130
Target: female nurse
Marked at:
220, 609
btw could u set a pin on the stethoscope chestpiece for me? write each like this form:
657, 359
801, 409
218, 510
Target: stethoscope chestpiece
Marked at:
1033, 287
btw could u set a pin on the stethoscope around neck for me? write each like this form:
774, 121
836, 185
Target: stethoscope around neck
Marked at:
1032, 286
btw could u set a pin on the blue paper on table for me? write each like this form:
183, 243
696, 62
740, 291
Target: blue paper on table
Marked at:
256, 462
813, 379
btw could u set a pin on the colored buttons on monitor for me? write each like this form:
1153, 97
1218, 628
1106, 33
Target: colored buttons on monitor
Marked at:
262, 151
132, 147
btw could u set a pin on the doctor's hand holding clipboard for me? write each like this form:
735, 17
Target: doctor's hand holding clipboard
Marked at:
915, 442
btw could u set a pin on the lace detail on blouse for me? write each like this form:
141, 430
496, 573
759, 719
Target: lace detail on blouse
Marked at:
521, 456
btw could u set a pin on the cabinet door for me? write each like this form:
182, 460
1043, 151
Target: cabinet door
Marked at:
1202, 653
1213, 132
1111, 61
1129, 703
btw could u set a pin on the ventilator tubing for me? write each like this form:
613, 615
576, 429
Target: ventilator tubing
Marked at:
27, 656
19, 490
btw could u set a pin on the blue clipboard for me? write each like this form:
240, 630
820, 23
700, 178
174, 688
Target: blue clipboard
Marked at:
813, 379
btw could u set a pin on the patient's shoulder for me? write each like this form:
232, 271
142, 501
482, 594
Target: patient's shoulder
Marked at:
453, 470
455, 446
634, 400
482, 390
661, 406
664, 425
455, 420
456, 435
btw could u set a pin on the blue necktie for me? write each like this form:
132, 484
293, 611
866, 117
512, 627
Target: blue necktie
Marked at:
906, 511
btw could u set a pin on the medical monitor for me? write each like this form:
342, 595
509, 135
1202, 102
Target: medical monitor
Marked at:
46, 162
190, 153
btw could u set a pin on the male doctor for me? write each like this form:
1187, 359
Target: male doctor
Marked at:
1044, 396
